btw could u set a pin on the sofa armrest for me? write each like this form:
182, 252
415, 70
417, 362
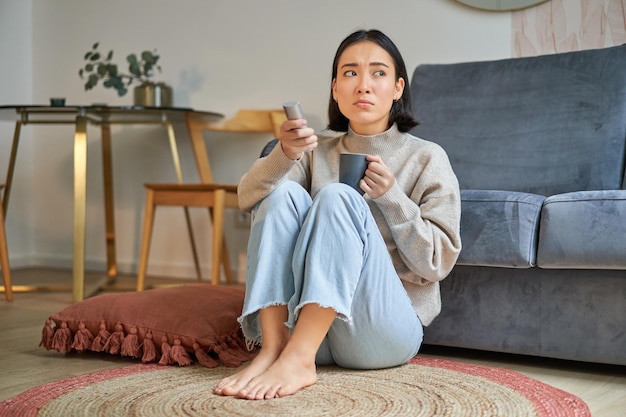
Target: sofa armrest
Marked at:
499, 228
583, 230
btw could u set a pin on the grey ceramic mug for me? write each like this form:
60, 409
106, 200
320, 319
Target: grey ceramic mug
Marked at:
352, 168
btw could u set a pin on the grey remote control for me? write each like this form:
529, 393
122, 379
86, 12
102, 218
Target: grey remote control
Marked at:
293, 110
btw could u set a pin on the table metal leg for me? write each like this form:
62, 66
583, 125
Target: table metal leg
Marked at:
109, 206
11, 168
80, 195
4, 260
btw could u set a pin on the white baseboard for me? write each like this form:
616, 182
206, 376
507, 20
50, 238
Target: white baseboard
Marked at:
169, 270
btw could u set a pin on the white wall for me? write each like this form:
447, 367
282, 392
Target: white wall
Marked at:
217, 55
16, 73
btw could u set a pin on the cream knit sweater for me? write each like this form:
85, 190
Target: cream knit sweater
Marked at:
419, 217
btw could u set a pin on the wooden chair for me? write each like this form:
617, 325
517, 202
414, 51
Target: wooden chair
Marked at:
216, 197
4, 255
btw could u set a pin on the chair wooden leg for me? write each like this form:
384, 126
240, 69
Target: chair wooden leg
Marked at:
228, 270
4, 259
218, 235
192, 241
148, 222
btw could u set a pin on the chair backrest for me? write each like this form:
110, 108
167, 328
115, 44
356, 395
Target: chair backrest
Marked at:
244, 121
251, 121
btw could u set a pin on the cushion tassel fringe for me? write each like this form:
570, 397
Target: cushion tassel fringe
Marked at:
229, 350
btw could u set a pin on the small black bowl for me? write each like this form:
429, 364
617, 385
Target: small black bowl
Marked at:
57, 102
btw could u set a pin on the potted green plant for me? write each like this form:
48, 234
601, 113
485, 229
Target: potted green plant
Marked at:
99, 67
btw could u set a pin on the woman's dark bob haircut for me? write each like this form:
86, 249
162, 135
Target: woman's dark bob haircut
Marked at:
401, 112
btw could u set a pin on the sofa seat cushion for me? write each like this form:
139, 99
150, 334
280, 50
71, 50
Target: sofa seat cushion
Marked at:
499, 228
583, 230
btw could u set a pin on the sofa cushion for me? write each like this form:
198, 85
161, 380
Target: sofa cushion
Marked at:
585, 230
545, 125
499, 228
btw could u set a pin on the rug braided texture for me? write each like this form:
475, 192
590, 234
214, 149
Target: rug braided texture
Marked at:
424, 387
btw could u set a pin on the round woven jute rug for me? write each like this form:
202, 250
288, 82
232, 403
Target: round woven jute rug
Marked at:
424, 387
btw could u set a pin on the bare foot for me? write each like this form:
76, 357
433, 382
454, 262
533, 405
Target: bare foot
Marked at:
233, 384
285, 377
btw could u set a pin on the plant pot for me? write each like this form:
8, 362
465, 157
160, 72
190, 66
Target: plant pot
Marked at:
151, 94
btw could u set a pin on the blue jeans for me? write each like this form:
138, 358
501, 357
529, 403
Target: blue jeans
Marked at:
329, 251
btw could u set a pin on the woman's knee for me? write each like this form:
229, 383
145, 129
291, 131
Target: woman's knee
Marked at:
288, 194
285, 191
335, 190
339, 195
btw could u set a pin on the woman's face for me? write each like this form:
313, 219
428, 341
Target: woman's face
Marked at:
365, 87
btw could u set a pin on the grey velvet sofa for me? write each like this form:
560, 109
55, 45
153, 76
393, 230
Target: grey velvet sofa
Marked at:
539, 146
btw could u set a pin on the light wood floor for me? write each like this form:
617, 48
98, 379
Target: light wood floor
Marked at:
24, 365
